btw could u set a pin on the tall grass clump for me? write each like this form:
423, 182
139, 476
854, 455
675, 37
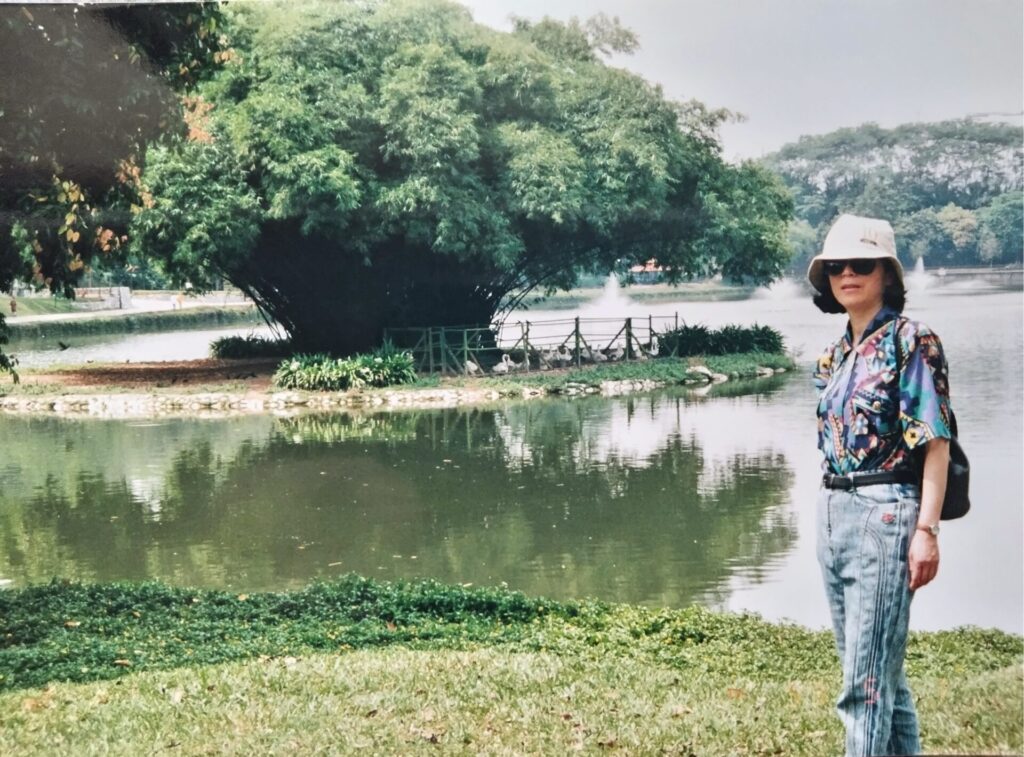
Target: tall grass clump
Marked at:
238, 347
385, 366
698, 339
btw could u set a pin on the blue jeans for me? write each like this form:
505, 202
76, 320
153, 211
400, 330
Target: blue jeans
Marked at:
863, 539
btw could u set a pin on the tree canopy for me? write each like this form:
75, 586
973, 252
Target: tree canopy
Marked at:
84, 88
360, 165
952, 189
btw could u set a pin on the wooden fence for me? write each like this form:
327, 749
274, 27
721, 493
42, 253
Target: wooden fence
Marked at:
523, 346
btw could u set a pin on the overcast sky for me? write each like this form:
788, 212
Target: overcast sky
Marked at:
810, 66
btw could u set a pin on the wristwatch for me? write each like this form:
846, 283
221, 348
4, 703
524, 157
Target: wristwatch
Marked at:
932, 529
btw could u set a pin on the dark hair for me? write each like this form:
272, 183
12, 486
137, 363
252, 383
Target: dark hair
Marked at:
893, 296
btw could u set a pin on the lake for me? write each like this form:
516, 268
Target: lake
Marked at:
660, 499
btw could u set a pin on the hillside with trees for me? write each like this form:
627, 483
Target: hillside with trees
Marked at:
953, 190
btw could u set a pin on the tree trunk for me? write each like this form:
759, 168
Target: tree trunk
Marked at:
336, 303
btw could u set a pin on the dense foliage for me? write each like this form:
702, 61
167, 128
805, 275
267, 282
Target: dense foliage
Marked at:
84, 88
382, 367
79, 632
698, 339
234, 347
392, 163
954, 190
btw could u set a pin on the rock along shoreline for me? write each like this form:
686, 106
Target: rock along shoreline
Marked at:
221, 404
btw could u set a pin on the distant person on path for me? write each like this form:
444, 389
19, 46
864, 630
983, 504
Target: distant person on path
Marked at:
14, 306
884, 429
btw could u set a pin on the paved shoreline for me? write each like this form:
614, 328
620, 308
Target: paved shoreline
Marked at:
147, 404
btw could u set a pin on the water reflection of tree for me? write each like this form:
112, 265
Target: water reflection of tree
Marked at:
440, 493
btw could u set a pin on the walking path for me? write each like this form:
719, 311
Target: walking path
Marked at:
152, 304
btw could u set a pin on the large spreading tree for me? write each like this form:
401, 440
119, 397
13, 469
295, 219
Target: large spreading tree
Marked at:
373, 164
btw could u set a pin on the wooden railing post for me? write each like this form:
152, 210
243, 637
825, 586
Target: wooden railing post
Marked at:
526, 345
629, 337
576, 333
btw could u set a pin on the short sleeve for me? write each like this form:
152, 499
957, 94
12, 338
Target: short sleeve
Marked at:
822, 372
925, 412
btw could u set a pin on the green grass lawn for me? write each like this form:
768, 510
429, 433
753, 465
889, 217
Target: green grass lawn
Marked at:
357, 665
38, 306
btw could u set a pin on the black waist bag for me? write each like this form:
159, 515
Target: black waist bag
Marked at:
957, 501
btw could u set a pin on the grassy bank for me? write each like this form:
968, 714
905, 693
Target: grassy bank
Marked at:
411, 667
159, 320
37, 306
669, 371
239, 377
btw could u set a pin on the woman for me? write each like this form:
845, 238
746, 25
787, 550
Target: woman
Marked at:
884, 429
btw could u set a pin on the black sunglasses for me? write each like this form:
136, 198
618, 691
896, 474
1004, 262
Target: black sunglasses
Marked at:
860, 266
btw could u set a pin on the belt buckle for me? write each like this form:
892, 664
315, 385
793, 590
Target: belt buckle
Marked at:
837, 481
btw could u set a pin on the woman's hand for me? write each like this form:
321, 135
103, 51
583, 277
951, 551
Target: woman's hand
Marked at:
924, 548
923, 559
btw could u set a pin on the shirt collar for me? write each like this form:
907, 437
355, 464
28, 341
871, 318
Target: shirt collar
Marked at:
882, 317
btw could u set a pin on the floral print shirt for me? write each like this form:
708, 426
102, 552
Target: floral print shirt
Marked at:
867, 422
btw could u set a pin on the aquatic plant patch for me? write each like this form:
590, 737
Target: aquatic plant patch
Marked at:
65, 631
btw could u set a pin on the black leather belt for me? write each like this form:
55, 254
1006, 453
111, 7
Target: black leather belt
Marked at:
869, 478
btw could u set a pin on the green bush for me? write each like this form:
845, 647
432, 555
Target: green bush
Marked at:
698, 339
383, 367
237, 347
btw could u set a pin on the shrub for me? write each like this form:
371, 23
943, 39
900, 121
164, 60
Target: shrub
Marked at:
237, 347
383, 367
698, 339
686, 340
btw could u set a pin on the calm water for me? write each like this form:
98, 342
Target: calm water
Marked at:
663, 499
187, 344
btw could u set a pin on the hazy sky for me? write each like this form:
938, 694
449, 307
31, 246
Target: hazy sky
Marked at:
810, 66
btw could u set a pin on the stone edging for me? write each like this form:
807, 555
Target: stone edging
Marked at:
143, 405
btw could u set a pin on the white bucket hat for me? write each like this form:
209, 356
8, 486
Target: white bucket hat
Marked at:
855, 237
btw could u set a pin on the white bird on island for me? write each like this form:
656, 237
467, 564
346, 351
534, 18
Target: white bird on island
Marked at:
504, 366
563, 357
472, 368
653, 346
596, 357
617, 354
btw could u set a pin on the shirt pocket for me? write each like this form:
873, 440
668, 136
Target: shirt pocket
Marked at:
880, 409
